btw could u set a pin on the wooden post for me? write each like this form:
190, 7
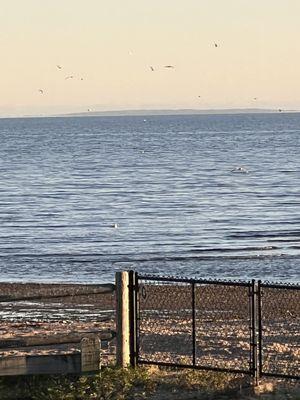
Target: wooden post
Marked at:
90, 354
122, 317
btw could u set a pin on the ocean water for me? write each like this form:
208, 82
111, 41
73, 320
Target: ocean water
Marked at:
81, 198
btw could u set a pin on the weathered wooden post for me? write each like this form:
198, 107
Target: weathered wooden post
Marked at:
90, 354
122, 319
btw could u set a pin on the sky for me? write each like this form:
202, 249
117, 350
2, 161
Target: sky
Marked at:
109, 47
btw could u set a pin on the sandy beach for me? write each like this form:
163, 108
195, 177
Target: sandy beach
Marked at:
52, 319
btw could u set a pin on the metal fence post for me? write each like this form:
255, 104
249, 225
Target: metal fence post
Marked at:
193, 323
254, 331
259, 326
133, 317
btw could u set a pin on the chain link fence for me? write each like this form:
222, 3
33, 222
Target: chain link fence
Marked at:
224, 326
165, 322
204, 324
279, 318
247, 327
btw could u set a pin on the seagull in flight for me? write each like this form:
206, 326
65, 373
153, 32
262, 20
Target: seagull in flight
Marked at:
69, 77
169, 66
41, 91
216, 44
152, 69
58, 66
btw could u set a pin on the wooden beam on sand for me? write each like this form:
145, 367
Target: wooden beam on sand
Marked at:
52, 339
40, 364
88, 360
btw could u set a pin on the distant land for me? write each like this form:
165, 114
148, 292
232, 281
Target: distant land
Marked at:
149, 112
173, 112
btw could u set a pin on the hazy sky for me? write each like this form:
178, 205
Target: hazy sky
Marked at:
112, 44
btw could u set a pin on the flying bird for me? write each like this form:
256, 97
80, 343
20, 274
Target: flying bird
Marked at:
152, 69
58, 66
216, 44
41, 91
254, 98
69, 77
169, 66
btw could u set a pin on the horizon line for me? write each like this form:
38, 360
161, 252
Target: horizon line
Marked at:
150, 111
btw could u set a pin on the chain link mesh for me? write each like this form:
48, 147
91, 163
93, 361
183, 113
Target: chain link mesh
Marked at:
222, 324
165, 322
280, 330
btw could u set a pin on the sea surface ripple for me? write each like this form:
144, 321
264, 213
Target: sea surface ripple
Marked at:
83, 197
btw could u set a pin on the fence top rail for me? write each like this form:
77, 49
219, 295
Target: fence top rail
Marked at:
158, 278
230, 282
279, 285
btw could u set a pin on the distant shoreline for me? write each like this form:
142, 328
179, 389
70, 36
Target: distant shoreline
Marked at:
169, 112
165, 112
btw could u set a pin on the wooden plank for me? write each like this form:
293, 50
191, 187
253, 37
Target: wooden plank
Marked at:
36, 365
13, 366
87, 361
50, 339
53, 364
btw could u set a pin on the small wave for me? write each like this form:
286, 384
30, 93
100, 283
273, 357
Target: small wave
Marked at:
215, 257
287, 171
266, 234
289, 240
236, 249
150, 257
